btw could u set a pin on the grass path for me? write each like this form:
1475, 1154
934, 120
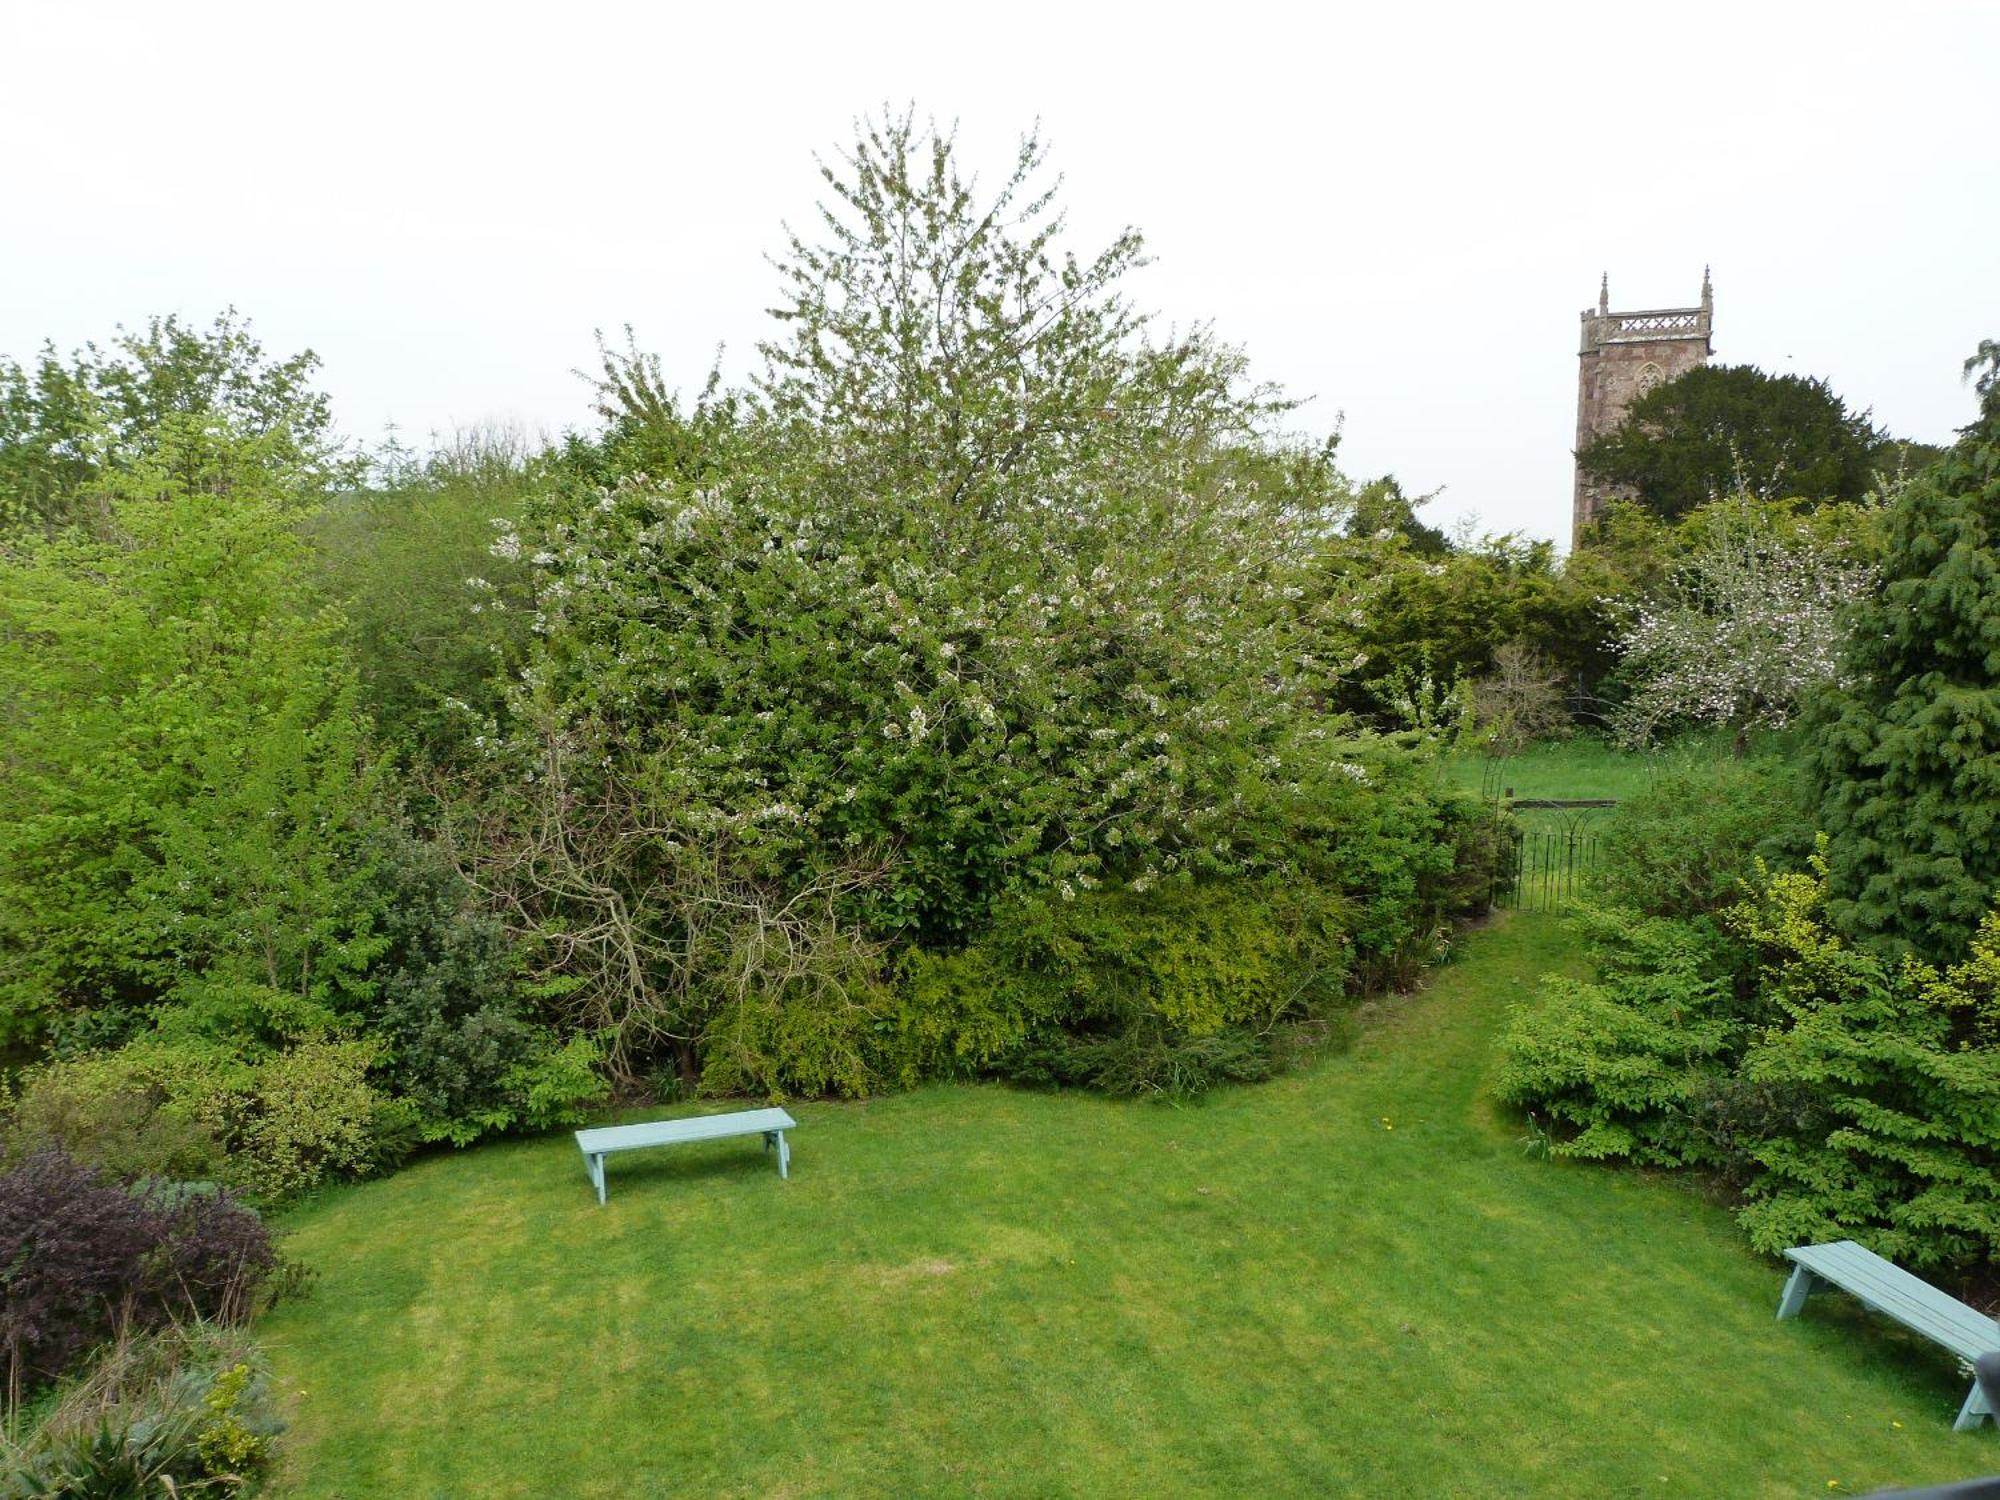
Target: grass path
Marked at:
1349, 1281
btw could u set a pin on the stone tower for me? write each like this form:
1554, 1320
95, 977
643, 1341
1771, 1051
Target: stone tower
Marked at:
1624, 355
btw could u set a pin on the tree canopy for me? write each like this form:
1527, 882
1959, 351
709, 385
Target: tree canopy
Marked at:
209, 394
1723, 428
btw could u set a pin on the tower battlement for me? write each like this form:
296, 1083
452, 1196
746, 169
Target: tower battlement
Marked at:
1622, 356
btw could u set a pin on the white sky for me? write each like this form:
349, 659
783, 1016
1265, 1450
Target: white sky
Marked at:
1398, 210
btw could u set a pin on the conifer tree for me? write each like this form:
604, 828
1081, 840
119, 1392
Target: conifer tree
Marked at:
1907, 759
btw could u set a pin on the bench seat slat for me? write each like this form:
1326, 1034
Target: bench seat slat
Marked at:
1895, 1293
674, 1132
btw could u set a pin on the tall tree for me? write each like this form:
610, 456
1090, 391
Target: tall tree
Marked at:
68, 422
1722, 428
1907, 759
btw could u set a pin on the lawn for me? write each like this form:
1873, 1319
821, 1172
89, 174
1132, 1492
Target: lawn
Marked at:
1588, 768
1349, 1281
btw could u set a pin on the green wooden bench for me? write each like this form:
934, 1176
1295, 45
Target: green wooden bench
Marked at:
1890, 1290
601, 1142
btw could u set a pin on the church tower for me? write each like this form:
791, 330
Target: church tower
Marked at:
1625, 355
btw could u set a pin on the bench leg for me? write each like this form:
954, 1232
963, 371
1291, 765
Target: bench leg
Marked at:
595, 1166
1975, 1410
784, 1156
770, 1139
1797, 1290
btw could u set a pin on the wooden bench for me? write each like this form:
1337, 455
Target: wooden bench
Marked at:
601, 1142
1890, 1290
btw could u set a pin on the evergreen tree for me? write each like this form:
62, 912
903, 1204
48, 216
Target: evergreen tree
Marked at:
1724, 428
1907, 758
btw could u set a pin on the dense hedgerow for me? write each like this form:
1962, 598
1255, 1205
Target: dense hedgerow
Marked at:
984, 610
979, 603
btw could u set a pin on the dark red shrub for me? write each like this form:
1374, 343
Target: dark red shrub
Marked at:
82, 1256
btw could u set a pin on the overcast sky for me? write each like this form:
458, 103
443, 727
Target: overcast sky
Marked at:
1398, 210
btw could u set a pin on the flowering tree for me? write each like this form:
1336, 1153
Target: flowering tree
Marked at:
981, 593
1745, 627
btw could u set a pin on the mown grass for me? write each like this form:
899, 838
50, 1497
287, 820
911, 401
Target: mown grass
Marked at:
1349, 1281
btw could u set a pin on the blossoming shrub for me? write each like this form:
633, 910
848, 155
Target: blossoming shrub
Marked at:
740, 696
1748, 626
981, 614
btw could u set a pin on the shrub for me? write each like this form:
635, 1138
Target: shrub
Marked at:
1845, 1096
1906, 762
460, 1046
87, 1257
274, 1124
1620, 1061
1164, 991
1904, 1064
310, 1115
126, 1132
1687, 845
182, 1411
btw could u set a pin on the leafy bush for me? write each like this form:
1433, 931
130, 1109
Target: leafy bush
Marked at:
187, 1410
1845, 1096
87, 1257
125, 1132
1403, 614
1620, 1061
274, 1124
1687, 844
992, 610
1904, 1066
1168, 990
460, 1046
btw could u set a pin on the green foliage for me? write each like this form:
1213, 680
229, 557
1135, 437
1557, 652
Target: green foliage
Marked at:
167, 392
1382, 511
309, 1114
196, 853
187, 764
1686, 844
432, 617
979, 601
1621, 1060
1394, 612
1906, 765
273, 1122
1720, 428
460, 1046
1905, 1068
185, 1411
1846, 1097
1169, 990
126, 1132
337, 820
